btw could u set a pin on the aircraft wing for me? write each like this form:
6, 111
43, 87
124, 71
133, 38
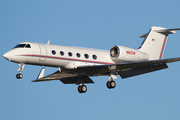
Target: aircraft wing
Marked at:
65, 77
125, 70
129, 69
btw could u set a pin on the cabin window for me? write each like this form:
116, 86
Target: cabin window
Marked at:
78, 55
70, 54
94, 57
86, 56
62, 53
53, 52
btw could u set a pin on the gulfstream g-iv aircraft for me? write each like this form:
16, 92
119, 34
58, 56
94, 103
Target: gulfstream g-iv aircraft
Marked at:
76, 65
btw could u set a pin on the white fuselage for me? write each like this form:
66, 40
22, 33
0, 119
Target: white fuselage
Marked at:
66, 57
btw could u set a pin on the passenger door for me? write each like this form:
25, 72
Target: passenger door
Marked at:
43, 53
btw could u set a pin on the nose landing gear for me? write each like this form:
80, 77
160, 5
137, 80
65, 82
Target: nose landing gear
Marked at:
21, 67
19, 76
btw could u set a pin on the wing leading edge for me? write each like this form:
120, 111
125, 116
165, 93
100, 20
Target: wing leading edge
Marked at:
65, 77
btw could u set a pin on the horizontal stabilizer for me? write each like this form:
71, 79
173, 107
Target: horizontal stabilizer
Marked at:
163, 31
143, 36
167, 31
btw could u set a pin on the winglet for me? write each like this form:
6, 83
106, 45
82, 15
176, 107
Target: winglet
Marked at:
41, 74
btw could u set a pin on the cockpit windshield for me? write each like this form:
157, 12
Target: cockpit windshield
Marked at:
23, 46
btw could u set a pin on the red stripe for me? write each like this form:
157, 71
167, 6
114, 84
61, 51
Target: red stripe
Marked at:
163, 47
66, 59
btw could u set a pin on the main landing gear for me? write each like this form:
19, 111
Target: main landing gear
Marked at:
111, 83
82, 88
21, 67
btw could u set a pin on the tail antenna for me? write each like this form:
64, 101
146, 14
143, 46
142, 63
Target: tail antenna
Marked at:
48, 42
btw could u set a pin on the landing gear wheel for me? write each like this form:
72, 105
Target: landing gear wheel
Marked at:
111, 84
82, 89
19, 76
108, 84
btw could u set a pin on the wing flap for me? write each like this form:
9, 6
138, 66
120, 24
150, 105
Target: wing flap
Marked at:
141, 70
145, 63
76, 80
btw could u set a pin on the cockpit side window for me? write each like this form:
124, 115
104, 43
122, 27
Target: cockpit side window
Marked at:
23, 46
28, 46
20, 46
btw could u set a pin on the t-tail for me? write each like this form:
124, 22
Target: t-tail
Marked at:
155, 42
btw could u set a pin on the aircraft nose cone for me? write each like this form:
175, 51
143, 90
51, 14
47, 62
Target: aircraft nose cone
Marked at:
8, 56
4, 55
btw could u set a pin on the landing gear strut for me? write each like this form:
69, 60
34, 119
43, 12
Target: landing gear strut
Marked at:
21, 67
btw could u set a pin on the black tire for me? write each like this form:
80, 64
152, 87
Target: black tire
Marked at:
112, 84
108, 84
19, 76
83, 88
80, 89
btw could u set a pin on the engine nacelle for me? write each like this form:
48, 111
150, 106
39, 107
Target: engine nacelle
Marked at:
120, 54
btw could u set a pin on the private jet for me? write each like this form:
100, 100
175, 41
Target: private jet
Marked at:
75, 65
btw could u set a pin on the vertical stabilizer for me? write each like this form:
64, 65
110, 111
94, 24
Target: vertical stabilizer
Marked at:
155, 42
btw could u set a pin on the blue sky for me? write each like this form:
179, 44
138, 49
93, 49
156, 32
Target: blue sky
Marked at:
97, 24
